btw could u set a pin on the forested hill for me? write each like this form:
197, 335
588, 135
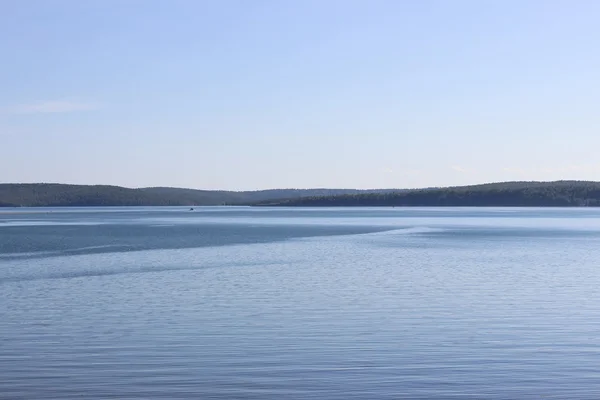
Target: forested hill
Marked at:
513, 194
541, 194
54, 195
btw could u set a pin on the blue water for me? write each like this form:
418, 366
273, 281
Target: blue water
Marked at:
262, 303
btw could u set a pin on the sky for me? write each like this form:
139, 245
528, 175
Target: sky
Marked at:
244, 95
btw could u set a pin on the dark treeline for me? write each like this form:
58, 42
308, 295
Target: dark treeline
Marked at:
510, 194
56, 195
525, 194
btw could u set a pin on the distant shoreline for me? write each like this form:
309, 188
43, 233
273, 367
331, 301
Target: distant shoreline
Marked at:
502, 194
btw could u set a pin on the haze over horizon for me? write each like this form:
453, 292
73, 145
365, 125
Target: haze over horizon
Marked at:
237, 95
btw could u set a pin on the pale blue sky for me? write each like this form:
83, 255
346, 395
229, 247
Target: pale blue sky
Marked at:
324, 93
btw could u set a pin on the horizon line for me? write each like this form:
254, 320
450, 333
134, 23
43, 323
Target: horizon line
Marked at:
295, 188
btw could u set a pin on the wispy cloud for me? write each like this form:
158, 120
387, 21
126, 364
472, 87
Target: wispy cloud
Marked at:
401, 171
57, 106
410, 172
460, 169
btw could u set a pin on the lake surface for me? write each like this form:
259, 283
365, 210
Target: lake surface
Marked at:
279, 303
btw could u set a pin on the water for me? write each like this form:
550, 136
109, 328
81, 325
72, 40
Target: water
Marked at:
260, 303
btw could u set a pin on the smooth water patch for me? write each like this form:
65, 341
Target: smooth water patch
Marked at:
299, 304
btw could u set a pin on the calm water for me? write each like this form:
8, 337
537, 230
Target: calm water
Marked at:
242, 303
